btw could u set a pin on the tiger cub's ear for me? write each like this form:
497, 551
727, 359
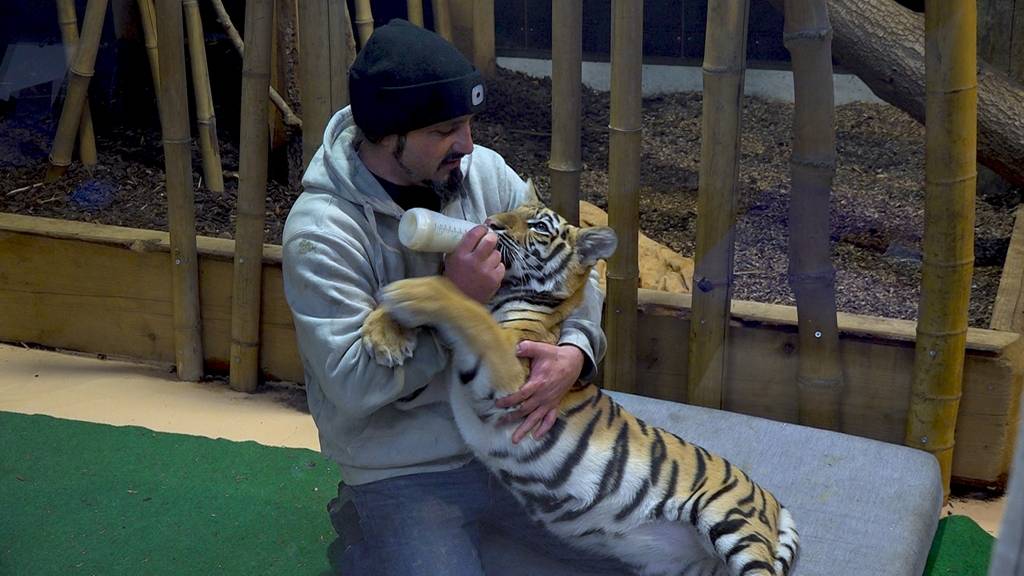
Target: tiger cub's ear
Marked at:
596, 243
532, 197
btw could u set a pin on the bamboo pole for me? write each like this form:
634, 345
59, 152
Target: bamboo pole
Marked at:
209, 145
188, 334
414, 11
147, 13
442, 19
483, 37
67, 17
343, 52
808, 36
78, 86
624, 192
290, 118
278, 76
364, 20
566, 78
951, 147
724, 62
323, 61
252, 185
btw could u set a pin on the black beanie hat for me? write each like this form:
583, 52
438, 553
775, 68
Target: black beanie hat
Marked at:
407, 77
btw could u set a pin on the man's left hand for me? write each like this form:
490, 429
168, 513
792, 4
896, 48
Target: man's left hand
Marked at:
553, 370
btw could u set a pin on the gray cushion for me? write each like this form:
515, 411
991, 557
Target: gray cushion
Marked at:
861, 506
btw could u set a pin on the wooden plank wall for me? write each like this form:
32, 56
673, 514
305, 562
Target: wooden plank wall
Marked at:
877, 369
105, 289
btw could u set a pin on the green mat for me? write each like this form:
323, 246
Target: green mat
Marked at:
81, 498
960, 548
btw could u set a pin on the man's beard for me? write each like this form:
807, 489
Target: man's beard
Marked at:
448, 189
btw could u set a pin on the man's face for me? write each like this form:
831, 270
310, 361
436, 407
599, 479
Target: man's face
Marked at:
431, 155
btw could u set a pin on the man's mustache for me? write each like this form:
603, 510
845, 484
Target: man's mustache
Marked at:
451, 158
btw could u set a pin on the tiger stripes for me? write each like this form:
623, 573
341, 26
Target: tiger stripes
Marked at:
601, 479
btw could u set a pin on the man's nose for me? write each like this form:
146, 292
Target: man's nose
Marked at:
464, 140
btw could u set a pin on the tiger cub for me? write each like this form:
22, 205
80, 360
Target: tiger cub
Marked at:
601, 478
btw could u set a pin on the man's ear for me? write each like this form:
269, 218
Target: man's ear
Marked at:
595, 243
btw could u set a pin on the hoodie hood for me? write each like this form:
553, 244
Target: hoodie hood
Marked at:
336, 166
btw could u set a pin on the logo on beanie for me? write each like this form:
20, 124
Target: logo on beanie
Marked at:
478, 94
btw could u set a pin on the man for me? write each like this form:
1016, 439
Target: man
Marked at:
412, 500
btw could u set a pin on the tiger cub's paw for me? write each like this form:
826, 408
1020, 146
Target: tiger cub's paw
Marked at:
386, 341
416, 301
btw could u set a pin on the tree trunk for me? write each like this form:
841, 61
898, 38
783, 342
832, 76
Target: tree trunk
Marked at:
883, 43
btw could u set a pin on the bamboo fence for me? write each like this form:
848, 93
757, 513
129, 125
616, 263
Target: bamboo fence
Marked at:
323, 23
483, 37
808, 36
188, 334
67, 18
78, 86
566, 162
245, 306
414, 11
289, 116
624, 193
364, 20
948, 254
442, 19
209, 146
724, 62
147, 14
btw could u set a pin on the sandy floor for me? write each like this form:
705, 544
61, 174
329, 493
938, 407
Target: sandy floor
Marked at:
121, 393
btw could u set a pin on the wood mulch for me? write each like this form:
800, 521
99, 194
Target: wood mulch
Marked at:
877, 205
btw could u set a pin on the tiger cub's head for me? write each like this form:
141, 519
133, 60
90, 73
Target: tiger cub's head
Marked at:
543, 253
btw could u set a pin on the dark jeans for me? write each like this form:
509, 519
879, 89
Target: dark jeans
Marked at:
430, 524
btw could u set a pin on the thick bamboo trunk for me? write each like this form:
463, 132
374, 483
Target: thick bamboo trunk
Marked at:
68, 19
414, 11
883, 43
948, 258
808, 37
290, 118
624, 192
364, 20
442, 19
188, 335
209, 145
78, 87
147, 14
325, 53
566, 79
483, 37
252, 186
724, 62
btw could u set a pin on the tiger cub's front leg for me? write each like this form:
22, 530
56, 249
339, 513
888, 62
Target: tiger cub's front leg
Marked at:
387, 341
463, 323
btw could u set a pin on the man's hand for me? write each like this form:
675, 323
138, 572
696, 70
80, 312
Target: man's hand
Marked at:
553, 370
475, 266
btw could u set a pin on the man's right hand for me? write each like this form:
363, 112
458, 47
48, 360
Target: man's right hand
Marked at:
475, 266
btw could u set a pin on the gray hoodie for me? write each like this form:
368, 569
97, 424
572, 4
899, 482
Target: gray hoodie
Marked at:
340, 248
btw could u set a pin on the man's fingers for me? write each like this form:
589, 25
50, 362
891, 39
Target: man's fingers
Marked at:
494, 260
514, 398
546, 424
471, 239
485, 247
531, 422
